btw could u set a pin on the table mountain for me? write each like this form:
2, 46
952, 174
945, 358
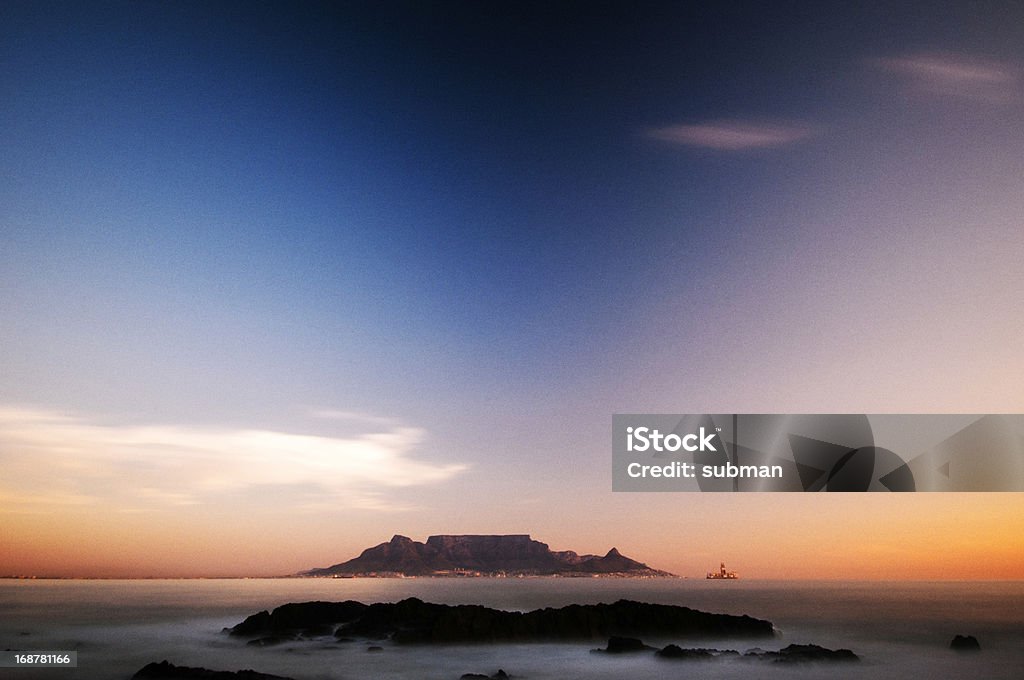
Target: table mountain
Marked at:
478, 555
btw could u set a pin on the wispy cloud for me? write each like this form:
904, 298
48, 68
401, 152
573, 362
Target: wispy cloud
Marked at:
353, 416
733, 135
51, 459
955, 75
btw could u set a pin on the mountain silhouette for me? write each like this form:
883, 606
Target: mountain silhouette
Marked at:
481, 555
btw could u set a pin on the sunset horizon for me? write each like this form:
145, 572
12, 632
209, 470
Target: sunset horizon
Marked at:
977, 554
727, 291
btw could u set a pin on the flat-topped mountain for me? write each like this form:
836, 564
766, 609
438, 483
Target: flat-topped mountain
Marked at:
474, 555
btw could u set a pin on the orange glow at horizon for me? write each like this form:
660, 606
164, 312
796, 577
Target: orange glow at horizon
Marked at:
774, 536
940, 536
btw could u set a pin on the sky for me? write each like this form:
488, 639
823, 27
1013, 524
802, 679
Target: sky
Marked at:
281, 280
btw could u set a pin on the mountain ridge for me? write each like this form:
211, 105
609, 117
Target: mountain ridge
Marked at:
481, 555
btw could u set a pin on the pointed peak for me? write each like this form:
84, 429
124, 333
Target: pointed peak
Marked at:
614, 552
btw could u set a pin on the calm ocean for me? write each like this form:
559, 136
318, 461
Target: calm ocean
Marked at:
898, 629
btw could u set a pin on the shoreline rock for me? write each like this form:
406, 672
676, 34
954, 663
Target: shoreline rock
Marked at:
804, 654
624, 645
965, 643
789, 654
417, 622
500, 675
307, 618
700, 653
168, 671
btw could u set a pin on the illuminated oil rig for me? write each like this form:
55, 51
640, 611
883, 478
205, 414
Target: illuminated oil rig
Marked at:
722, 573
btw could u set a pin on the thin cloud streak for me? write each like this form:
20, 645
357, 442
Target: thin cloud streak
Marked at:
52, 457
954, 75
733, 135
352, 416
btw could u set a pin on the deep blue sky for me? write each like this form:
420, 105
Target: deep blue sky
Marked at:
502, 222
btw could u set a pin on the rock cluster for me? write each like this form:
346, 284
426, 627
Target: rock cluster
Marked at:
415, 621
789, 654
965, 643
168, 671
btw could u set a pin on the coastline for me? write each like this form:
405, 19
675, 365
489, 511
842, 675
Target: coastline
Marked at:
892, 626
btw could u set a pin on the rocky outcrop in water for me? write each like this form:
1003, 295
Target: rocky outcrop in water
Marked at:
965, 643
701, 653
414, 621
473, 555
805, 654
304, 618
623, 645
168, 671
790, 654
500, 675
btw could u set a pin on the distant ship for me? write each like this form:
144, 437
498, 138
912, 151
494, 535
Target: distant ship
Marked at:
722, 573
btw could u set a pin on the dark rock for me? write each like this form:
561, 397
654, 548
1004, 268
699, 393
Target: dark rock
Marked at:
500, 675
803, 654
319, 630
168, 671
415, 621
965, 643
271, 640
677, 652
253, 625
621, 645
375, 648
298, 616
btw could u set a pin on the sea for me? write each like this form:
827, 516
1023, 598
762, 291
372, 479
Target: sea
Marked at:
898, 629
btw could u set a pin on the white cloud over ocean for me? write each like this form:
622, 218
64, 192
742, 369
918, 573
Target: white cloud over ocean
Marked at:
52, 459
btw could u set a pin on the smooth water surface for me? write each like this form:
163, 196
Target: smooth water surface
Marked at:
899, 629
